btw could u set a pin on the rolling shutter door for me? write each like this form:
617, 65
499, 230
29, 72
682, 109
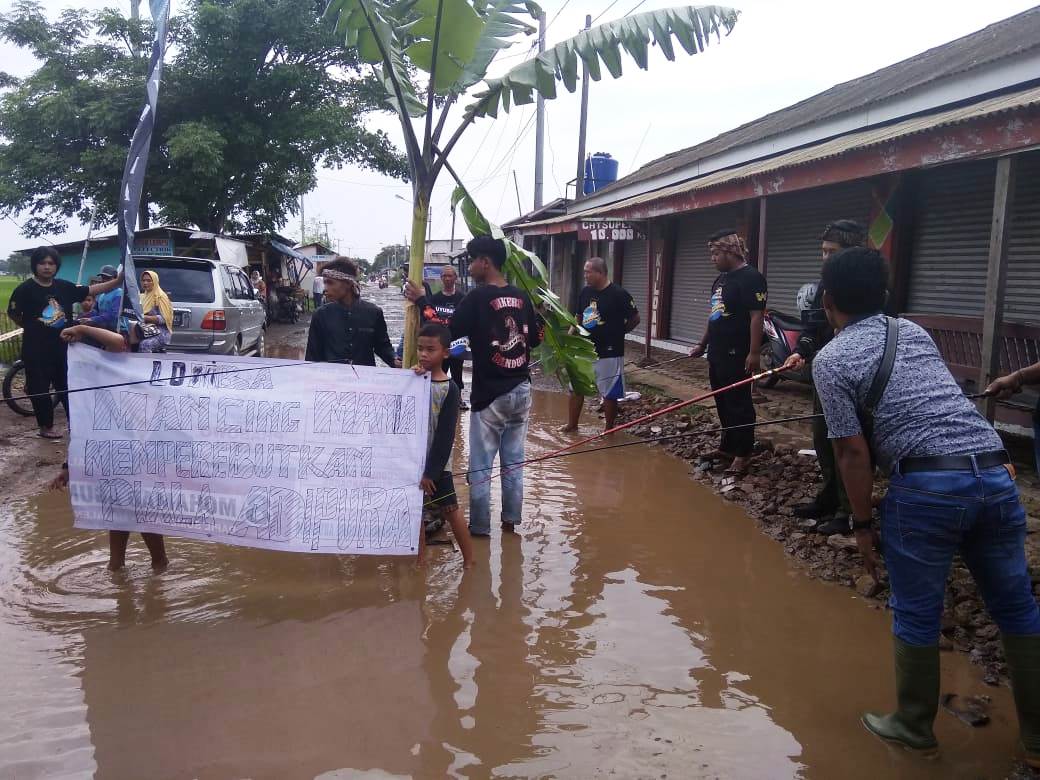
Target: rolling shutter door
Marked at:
951, 240
1022, 297
634, 279
694, 272
794, 224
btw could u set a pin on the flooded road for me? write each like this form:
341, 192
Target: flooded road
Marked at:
639, 627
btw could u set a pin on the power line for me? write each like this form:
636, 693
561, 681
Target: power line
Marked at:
557, 15
635, 7
604, 11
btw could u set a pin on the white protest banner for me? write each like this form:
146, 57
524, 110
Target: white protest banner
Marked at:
283, 455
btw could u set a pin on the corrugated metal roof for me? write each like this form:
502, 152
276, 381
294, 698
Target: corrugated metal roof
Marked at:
1015, 35
832, 148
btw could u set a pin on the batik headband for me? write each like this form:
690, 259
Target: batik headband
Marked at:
731, 243
329, 273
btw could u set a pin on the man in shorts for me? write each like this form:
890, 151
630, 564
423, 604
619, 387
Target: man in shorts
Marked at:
607, 312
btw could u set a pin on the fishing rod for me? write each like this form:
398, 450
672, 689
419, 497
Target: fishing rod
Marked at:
568, 451
639, 420
652, 440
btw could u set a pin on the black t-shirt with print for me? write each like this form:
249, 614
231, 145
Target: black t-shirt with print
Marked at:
502, 329
604, 313
440, 307
734, 295
44, 312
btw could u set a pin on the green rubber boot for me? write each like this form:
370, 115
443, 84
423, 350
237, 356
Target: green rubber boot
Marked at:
917, 694
1023, 660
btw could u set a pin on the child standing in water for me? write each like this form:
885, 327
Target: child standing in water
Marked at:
437, 483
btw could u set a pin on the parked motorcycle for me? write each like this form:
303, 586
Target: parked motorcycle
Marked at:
782, 332
288, 308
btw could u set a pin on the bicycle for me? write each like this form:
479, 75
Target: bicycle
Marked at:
14, 391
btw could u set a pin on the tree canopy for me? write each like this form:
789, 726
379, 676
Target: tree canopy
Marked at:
255, 95
391, 256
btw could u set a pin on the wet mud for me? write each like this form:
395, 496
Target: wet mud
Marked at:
639, 626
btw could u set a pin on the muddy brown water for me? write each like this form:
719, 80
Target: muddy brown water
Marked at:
638, 627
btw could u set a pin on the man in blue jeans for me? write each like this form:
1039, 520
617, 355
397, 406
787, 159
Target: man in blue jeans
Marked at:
952, 491
502, 328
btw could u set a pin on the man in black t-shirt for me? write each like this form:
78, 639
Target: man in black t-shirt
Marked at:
42, 306
438, 309
607, 312
733, 340
502, 328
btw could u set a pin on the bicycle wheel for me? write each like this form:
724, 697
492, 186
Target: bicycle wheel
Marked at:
14, 390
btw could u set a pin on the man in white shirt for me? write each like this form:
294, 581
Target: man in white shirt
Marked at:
318, 288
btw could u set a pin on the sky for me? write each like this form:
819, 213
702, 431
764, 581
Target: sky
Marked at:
780, 52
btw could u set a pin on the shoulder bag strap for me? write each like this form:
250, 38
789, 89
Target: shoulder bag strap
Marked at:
884, 371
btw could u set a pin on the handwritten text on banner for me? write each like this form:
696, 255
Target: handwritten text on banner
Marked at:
284, 455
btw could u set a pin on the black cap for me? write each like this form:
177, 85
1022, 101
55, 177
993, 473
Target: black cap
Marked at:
108, 272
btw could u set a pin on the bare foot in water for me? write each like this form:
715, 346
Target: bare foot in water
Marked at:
160, 565
569, 429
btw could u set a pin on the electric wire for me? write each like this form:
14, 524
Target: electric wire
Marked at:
604, 11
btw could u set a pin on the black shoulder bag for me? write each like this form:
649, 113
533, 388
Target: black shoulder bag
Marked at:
877, 387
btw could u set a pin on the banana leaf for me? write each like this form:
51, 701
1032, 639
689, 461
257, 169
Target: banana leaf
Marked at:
566, 350
691, 26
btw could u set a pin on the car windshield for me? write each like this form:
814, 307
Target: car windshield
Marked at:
185, 281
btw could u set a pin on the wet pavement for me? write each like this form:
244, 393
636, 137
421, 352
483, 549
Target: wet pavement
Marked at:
638, 627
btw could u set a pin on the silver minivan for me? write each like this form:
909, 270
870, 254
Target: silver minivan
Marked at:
215, 308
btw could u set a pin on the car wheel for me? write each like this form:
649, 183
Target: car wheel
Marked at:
236, 350
261, 345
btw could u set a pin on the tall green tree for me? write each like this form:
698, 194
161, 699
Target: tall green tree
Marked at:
255, 95
391, 256
454, 42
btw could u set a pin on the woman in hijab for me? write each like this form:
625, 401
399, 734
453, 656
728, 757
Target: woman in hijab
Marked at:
158, 314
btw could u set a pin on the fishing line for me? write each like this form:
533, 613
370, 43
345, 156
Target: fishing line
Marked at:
161, 379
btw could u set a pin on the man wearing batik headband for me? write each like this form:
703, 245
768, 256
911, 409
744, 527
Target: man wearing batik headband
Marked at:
733, 340
348, 329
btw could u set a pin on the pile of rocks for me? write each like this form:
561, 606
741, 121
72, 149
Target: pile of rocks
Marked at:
779, 480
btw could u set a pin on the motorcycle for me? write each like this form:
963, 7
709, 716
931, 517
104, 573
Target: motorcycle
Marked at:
782, 332
288, 307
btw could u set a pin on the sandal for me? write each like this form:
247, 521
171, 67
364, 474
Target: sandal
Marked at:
50, 435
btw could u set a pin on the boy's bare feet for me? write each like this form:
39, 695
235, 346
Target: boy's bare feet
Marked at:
568, 429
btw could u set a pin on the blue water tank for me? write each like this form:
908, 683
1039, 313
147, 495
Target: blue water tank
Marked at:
600, 170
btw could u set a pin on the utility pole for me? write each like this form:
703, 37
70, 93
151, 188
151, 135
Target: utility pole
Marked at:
303, 223
579, 185
135, 10
539, 129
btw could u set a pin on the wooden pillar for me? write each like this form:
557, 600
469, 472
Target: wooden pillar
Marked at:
996, 278
649, 293
762, 237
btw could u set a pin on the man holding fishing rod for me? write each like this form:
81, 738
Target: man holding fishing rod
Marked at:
888, 396
831, 499
733, 340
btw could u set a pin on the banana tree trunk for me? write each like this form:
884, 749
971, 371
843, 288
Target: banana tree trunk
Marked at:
417, 249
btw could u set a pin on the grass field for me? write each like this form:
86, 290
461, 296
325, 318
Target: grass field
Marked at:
7, 285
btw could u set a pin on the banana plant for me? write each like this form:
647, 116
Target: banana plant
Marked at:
454, 43
565, 351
